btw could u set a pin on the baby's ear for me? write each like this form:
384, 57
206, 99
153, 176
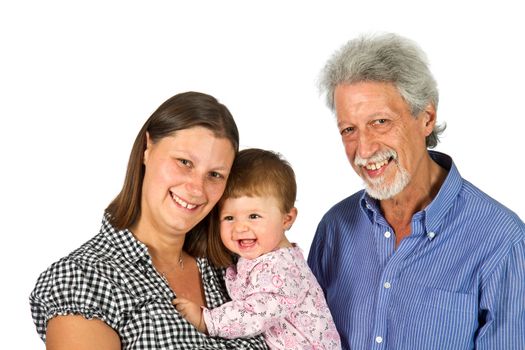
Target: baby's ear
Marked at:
289, 218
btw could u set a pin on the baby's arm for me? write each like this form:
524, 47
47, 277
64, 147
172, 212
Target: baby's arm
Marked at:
246, 318
191, 312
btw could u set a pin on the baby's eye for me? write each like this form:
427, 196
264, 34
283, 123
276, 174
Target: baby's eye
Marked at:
254, 216
227, 218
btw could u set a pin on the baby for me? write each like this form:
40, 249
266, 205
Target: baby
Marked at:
272, 289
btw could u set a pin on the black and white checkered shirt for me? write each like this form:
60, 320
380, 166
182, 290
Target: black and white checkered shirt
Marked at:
112, 278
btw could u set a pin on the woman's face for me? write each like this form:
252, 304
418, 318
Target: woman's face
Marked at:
185, 175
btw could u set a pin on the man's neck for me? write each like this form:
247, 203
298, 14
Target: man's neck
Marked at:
399, 210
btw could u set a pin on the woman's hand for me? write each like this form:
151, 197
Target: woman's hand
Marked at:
191, 312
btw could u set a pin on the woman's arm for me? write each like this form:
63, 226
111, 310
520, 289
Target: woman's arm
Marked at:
76, 332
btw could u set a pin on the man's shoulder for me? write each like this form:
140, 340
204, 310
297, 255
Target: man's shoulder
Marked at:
488, 216
478, 200
348, 211
350, 203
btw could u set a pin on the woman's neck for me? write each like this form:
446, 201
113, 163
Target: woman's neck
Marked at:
162, 246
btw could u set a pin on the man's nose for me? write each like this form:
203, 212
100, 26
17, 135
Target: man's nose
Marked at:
366, 145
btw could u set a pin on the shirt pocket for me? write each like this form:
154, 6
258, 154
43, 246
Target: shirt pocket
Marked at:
438, 319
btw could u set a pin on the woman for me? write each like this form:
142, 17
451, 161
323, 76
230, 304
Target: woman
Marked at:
115, 291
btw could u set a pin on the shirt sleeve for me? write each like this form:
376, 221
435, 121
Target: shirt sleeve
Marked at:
316, 256
503, 304
268, 298
67, 288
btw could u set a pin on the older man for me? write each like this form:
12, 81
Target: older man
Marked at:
421, 259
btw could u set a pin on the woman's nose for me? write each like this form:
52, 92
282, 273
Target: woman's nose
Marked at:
195, 185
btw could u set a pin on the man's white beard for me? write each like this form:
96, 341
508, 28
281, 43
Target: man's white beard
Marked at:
378, 189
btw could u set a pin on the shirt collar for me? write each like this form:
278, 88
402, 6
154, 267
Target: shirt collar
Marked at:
449, 191
434, 213
124, 242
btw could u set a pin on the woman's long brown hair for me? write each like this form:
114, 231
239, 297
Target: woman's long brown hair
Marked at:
182, 111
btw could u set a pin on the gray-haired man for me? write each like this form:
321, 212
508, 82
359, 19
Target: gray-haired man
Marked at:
420, 259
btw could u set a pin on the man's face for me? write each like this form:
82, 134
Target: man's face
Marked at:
384, 143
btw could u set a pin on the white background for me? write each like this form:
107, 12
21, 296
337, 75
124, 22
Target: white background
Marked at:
78, 80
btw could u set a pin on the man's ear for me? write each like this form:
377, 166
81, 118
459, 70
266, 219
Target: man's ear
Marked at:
289, 218
429, 116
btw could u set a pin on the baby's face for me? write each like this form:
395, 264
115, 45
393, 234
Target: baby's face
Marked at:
253, 226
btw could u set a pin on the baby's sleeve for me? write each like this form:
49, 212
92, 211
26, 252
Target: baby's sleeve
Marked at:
68, 288
270, 297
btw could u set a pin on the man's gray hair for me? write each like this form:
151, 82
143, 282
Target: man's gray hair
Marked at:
386, 58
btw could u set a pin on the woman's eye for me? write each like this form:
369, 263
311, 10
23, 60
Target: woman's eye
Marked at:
185, 162
216, 175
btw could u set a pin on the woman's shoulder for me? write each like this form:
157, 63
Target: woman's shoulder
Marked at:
102, 259
69, 270
105, 252
87, 281
69, 286
89, 253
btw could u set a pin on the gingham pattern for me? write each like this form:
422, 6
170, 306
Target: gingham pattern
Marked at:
112, 278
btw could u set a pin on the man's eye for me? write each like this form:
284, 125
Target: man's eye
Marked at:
347, 131
380, 121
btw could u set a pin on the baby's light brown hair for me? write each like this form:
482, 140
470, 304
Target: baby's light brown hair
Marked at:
257, 172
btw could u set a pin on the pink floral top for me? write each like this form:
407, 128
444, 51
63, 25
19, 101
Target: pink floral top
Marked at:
275, 294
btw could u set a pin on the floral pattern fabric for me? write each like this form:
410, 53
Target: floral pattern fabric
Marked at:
277, 295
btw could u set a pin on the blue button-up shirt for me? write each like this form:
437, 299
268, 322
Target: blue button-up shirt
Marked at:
457, 282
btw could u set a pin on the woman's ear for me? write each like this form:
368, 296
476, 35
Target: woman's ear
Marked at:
289, 218
148, 147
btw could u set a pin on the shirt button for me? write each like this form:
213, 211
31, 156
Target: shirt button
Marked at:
431, 235
387, 234
379, 340
387, 285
